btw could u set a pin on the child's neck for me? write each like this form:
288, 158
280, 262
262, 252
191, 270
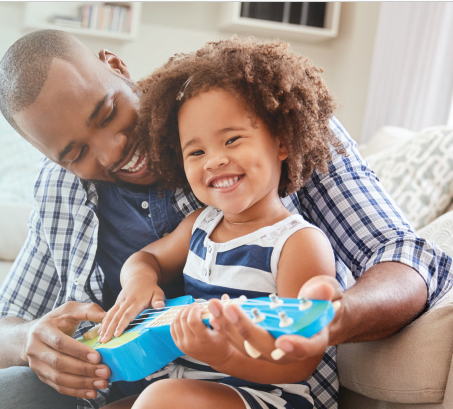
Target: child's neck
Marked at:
266, 212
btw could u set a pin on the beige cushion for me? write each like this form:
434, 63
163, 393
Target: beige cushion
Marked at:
419, 174
411, 366
386, 137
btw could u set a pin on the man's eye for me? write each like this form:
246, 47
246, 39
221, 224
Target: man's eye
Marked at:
82, 152
197, 153
111, 116
230, 141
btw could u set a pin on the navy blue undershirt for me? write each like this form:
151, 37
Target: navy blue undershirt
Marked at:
128, 221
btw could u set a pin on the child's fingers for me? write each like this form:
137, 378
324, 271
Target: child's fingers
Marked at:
183, 318
158, 300
108, 331
195, 323
125, 320
107, 319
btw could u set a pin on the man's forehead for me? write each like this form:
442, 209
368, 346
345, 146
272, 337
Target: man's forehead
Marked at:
64, 103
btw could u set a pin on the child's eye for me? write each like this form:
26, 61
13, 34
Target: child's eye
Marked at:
196, 153
230, 141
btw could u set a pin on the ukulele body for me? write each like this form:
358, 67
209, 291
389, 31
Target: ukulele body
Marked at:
148, 346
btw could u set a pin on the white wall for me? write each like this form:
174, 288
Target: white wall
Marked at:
170, 27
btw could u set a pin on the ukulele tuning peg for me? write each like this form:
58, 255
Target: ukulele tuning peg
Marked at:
285, 321
304, 304
275, 301
241, 300
257, 316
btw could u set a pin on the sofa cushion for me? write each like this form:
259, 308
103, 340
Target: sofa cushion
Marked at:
18, 166
419, 174
411, 366
13, 229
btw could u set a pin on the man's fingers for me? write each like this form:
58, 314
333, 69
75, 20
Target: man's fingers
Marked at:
63, 343
87, 312
296, 348
77, 393
321, 288
71, 365
257, 337
238, 327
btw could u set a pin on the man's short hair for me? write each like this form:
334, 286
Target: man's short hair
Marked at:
25, 67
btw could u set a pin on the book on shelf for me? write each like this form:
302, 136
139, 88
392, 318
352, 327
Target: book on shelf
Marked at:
111, 17
75, 22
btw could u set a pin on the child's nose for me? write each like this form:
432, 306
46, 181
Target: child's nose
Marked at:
216, 161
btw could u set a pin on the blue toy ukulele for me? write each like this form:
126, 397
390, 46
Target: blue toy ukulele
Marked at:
147, 346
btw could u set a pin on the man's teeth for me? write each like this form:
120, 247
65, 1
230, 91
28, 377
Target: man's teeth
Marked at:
225, 182
130, 167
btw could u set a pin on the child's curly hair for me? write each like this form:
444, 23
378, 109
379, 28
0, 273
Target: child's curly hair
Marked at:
278, 86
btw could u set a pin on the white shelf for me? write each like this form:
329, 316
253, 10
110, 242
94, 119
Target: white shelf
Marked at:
37, 15
232, 21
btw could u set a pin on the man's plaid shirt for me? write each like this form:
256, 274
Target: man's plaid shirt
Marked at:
363, 224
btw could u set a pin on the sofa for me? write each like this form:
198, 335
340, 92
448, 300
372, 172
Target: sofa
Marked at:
410, 369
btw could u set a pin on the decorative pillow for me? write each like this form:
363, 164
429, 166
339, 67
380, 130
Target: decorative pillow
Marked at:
440, 231
18, 166
419, 174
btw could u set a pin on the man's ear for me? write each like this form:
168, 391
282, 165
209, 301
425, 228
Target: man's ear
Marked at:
283, 152
115, 63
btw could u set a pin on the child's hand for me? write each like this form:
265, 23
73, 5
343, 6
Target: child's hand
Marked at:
196, 340
138, 294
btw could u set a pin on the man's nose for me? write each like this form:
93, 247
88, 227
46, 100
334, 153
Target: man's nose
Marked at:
216, 160
110, 149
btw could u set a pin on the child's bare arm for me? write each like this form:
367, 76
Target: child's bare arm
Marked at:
143, 274
306, 254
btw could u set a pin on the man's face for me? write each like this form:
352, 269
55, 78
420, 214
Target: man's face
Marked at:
84, 118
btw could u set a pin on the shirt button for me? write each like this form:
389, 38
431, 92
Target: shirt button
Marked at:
209, 249
145, 205
205, 272
96, 222
76, 281
165, 234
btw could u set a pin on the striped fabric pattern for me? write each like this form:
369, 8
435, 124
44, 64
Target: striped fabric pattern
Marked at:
364, 225
246, 266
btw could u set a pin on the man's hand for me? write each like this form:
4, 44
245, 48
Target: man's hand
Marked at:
62, 362
139, 293
238, 327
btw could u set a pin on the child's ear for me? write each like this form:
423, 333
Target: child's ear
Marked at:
282, 151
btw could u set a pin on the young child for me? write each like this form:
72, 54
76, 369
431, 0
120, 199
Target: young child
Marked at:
242, 124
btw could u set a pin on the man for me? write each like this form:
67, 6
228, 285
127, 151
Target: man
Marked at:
97, 203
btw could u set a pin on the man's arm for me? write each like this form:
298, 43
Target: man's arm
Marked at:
384, 299
32, 333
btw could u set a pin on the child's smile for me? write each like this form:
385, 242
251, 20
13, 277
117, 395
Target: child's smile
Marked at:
231, 160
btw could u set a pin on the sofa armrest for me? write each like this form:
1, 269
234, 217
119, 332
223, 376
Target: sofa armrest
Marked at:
411, 366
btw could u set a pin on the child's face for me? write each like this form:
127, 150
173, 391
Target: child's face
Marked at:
230, 163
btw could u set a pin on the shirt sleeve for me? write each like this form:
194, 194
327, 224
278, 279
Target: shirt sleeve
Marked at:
364, 224
32, 284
